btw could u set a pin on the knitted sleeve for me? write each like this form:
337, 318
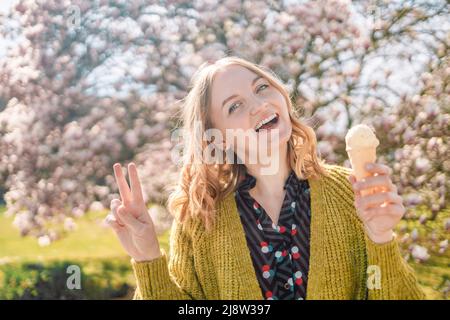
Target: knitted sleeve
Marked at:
397, 280
389, 277
172, 278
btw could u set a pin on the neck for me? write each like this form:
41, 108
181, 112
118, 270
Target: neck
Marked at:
270, 184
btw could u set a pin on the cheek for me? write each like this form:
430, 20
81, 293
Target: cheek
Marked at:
278, 99
220, 121
240, 120
283, 105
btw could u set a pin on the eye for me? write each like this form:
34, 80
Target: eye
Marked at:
232, 107
263, 85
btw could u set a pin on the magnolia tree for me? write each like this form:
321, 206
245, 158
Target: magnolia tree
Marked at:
418, 132
87, 84
59, 137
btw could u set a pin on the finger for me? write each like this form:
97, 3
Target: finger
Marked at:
131, 222
136, 189
391, 188
111, 221
378, 168
114, 205
353, 180
124, 190
371, 182
390, 209
378, 199
122, 234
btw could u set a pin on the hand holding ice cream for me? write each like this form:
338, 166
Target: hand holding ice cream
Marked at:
376, 199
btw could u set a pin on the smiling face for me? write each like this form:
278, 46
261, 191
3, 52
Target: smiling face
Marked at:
244, 100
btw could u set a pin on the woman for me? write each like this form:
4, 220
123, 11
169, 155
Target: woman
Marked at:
300, 231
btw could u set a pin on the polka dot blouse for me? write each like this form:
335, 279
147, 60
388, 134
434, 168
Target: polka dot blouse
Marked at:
280, 253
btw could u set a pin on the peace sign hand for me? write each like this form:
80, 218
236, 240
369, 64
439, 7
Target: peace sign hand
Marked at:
130, 219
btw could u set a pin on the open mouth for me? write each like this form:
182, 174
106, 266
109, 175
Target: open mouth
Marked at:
267, 123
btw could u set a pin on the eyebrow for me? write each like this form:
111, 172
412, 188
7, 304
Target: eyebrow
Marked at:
235, 95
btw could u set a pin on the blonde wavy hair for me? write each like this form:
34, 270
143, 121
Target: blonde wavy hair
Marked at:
201, 185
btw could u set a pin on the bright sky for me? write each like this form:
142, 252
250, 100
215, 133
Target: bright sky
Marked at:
4, 8
5, 5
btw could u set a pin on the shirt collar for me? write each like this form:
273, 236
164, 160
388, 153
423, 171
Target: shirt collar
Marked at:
249, 181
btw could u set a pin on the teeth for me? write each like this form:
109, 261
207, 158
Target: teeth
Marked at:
264, 121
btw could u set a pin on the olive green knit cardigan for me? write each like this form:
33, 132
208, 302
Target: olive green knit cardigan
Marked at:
217, 264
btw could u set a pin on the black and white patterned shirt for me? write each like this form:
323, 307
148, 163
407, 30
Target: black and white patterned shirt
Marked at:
280, 253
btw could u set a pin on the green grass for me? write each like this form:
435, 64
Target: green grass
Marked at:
89, 240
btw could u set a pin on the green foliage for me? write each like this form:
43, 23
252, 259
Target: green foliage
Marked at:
100, 279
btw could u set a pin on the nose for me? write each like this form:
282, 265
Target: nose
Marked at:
258, 106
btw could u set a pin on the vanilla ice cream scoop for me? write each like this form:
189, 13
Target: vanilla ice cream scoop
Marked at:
361, 136
361, 144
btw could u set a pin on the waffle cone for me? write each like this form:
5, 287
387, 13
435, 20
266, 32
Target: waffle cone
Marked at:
358, 159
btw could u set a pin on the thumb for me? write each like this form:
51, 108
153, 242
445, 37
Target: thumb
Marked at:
351, 178
130, 221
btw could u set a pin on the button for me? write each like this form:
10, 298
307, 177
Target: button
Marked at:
287, 286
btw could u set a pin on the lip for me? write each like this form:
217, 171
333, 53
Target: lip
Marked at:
276, 124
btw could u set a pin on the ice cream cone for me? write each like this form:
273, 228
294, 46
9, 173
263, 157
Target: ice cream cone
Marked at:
361, 145
358, 159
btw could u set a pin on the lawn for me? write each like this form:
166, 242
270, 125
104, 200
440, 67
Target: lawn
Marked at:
89, 240
96, 248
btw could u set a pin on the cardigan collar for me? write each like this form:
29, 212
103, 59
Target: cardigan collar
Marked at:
249, 181
229, 216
